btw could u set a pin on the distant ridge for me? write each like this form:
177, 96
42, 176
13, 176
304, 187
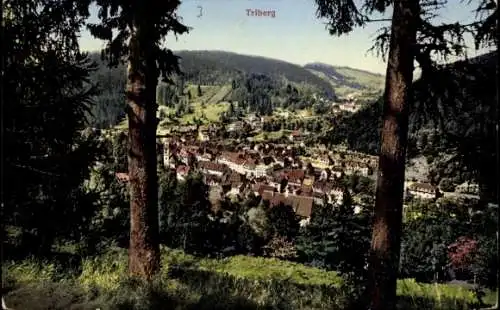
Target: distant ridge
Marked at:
213, 66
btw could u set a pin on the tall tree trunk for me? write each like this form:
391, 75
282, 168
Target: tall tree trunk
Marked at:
386, 238
144, 253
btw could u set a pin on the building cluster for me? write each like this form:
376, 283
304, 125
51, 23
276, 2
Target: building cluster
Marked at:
275, 172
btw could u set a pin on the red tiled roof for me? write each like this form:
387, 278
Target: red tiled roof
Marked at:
302, 205
265, 187
210, 165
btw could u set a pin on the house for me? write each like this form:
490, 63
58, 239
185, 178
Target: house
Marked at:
233, 177
295, 136
468, 188
323, 175
236, 189
352, 167
203, 136
215, 196
262, 169
184, 155
349, 107
236, 126
210, 167
323, 187
234, 183
319, 198
301, 205
204, 157
336, 195
322, 161
422, 190
293, 176
238, 162
259, 188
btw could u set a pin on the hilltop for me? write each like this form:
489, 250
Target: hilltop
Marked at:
347, 80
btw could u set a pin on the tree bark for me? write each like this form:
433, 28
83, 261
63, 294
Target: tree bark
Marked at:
386, 237
144, 253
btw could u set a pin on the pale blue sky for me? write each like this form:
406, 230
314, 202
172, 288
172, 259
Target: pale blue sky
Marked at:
294, 35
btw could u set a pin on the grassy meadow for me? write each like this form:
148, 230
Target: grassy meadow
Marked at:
188, 282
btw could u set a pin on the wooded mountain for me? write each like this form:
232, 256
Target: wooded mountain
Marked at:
223, 68
345, 79
219, 67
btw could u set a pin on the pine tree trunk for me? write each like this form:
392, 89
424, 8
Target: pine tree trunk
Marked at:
144, 260
386, 237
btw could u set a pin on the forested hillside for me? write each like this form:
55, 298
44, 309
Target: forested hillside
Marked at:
109, 107
345, 79
353, 129
218, 67
453, 117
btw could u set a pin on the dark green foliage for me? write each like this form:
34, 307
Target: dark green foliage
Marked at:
120, 152
109, 107
111, 226
283, 221
430, 229
335, 238
184, 213
46, 97
465, 116
447, 185
361, 130
424, 246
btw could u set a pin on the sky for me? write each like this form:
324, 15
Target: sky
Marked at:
295, 34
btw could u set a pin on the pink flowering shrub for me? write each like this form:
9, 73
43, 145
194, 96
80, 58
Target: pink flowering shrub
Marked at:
462, 253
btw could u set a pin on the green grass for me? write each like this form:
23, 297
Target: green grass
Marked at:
270, 135
188, 282
369, 80
207, 113
184, 280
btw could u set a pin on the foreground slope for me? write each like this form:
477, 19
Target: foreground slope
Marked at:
188, 282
